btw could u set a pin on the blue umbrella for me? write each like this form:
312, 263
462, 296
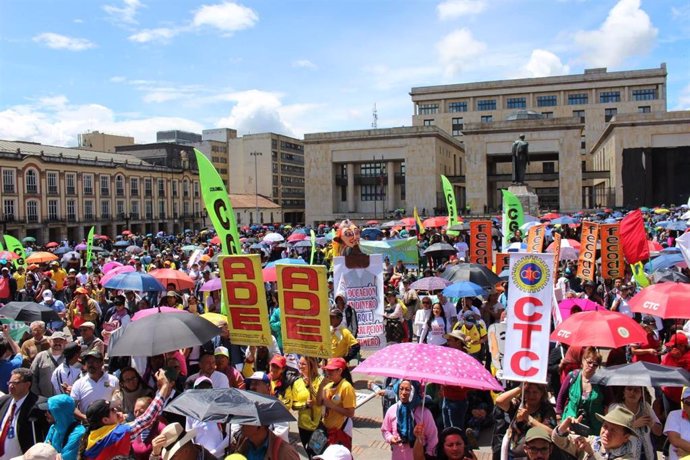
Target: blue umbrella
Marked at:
504, 275
664, 261
671, 250
677, 225
464, 289
287, 261
565, 220
516, 247
134, 281
62, 250
371, 233
121, 244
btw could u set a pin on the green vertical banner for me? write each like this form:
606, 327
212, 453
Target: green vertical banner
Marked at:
313, 246
639, 275
89, 246
513, 216
219, 208
14, 245
2, 248
450, 201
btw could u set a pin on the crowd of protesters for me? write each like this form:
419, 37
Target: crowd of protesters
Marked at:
65, 394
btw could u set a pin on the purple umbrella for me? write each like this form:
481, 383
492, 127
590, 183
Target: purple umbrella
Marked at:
430, 283
567, 305
151, 311
211, 285
110, 265
81, 247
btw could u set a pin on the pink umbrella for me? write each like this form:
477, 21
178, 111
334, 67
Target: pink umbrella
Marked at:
211, 285
150, 311
81, 247
116, 271
269, 274
429, 364
110, 265
295, 237
567, 305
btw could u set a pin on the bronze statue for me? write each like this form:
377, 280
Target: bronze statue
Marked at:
520, 159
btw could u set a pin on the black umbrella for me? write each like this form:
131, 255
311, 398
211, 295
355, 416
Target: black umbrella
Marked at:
476, 273
642, 374
121, 244
160, 333
29, 311
668, 275
440, 249
230, 405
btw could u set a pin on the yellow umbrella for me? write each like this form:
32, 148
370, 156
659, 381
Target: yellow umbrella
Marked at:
41, 257
661, 211
215, 318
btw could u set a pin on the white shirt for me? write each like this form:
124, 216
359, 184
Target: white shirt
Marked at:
218, 379
676, 423
435, 334
208, 435
65, 373
85, 390
12, 447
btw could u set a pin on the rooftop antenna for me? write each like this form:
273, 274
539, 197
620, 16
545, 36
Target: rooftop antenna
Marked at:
375, 118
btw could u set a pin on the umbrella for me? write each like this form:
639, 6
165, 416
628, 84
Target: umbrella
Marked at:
273, 238
372, 222
133, 249
270, 274
516, 247
665, 261
286, 261
429, 364
180, 279
230, 405
215, 318
152, 311
476, 273
550, 216
70, 254
504, 275
8, 255
393, 223
440, 249
116, 271
121, 244
661, 211
570, 249
215, 240
565, 220
110, 265
641, 374
28, 311
434, 222
81, 247
295, 237
677, 225
462, 226
527, 225
191, 247
603, 328
162, 332
302, 244
667, 275
464, 289
41, 257
134, 281
98, 249
28, 239
371, 233
654, 246
211, 285
62, 250
566, 306
430, 283
667, 300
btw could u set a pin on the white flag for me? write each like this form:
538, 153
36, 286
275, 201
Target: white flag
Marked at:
683, 243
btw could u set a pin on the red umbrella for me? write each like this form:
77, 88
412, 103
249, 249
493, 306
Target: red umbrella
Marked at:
603, 328
215, 240
8, 255
297, 236
550, 216
654, 246
126, 232
270, 274
101, 237
52, 244
408, 221
180, 279
667, 300
372, 222
434, 222
566, 306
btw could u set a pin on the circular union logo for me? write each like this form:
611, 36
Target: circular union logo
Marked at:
530, 274
623, 332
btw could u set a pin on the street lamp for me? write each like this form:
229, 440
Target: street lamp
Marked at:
256, 182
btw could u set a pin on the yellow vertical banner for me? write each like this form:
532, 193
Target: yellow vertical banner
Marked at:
586, 264
304, 309
612, 262
556, 254
480, 243
245, 298
535, 238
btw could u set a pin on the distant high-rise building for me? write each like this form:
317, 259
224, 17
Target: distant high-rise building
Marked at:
178, 137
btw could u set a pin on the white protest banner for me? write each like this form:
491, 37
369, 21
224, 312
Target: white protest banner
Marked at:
363, 290
529, 317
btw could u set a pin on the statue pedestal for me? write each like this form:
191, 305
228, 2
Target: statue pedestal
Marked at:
528, 199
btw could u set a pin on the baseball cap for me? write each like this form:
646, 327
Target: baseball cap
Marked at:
537, 432
259, 377
171, 294
677, 339
81, 290
71, 350
279, 361
335, 452
336, 312
58, 335
221, 351
470, 316
48, 295
202, 379
55, 263
96, 411
335, 363
92, 354
686, 393
88, 324
648, 319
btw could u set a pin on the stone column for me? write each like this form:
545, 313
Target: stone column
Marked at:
390, 192
351, 205
570, 172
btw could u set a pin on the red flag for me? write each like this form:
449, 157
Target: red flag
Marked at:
634, 238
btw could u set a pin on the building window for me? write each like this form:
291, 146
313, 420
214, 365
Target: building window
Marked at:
579, 114
88, 184
547, 114
429, 122
72, 210
8, 181
105, 185
71, 183
547, 101
583, 142
457, 126
175, 209
119, 209
427, 109
31, 181
195, 186
457, 107
487, 118
32, 211
402, 184
516, 103
372, 193
161, 209
88, 210
174, 188
161, 187
185, 209
149, 209
52, 179
548, 167
53, 209
609, 96
609, 113
185, 188
376, 191
644, 94
644, 109
578, 99
105, 209
135, 210
134, 186
486, 104
120, 186
8, 210
148, 187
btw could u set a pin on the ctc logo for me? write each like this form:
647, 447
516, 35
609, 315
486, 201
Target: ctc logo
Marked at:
530, 274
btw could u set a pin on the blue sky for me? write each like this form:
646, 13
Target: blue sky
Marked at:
133, 67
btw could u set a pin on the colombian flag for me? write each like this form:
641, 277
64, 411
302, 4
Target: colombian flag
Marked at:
108, 442
418, 223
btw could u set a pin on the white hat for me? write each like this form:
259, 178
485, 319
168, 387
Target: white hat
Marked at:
48, 295
335, 452
40, 451
221, 351
167, 454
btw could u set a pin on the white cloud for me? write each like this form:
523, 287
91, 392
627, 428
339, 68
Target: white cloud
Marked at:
458, 50
684, 99
451, 9
626, 32
161, 34
304, 64
543, 63
227, 16
62, 42
256, 111
126, 14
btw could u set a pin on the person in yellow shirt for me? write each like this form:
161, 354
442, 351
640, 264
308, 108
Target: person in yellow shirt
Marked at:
475, 333
343, 343
339, 401
303, 394
59, 275
20, 277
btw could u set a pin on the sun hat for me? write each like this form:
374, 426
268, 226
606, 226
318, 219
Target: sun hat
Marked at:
620, 416
537, 432
167, 454
456, 334
40, 451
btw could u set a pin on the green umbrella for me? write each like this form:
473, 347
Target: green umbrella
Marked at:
28, 239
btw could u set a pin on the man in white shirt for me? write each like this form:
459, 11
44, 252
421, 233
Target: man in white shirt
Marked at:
461, 247
20, 428
69, 371
96, 384
207, 368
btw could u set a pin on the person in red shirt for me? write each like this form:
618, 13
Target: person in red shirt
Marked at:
678, 355
649, 350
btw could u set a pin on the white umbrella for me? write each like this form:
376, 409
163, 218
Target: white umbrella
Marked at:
273, 238
68, 256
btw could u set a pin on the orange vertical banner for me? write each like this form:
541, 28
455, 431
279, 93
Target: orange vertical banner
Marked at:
586, 264
612, 262
535, 238
245, 298
480, 243
502, 262
556, 254
304, 315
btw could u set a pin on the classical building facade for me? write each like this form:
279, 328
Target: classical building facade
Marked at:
54, 193
368, 174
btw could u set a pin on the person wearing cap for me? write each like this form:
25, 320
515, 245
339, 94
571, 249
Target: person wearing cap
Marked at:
538, 444
173, 300
677, 355
613, 441
646, 422
677, 428
173, 443
68, 371
343, 343
94, 385
334, 452
57, 306
207, 368
339, 401
281, 380
82, 309
45, 363
37, 343
66, 431
476, 333
649, 350
87, 339
28, 293
621, 302
59, 274
259, 382
590, 292
222, 356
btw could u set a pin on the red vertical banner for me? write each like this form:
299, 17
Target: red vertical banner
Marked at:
612, 261
556, 254
502, 262
586, 264
535, 238
480, 243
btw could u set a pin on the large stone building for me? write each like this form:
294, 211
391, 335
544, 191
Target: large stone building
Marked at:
54, 193
102, 142
369, 174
